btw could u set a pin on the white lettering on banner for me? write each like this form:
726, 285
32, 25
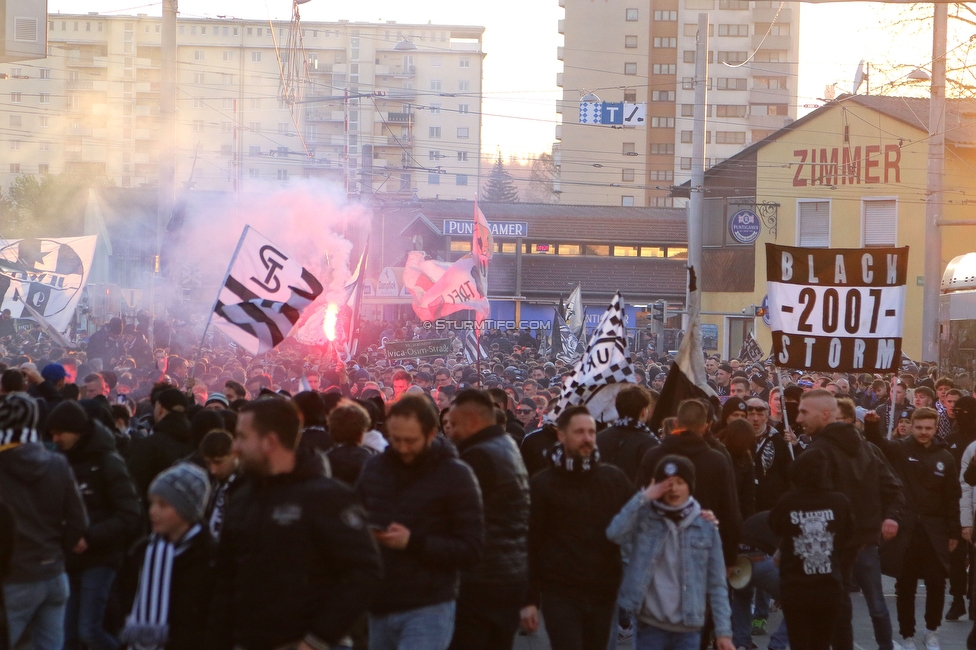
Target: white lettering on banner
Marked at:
840, 311
840, 271
498, 228
813, 279
866, 263
787, 266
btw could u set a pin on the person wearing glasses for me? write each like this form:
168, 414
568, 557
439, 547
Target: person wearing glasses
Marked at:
527, 414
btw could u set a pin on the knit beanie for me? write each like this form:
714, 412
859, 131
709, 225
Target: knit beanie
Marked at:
68, 417
732, 405
673, 465
172, 399
18, 419
185, 487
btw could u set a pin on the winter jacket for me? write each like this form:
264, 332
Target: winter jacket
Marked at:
39, 487
191, 590
347, 461
959, 442
931, 489
105, 346
438, 499
504, 484
745, 486
295, 561
967, 483
638, 528
114, 512
714, 482
568, 545
535, 448
169, 443
859, 472
772, 484
624, 447
514, 428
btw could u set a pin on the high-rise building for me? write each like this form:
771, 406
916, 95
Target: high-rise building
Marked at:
644, 52
388, 109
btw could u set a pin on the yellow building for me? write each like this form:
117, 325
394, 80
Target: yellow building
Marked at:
851, 174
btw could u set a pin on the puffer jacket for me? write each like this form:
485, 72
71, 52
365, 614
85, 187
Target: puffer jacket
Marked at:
639, 529
504, 483
110, 497
169, 443
437, 498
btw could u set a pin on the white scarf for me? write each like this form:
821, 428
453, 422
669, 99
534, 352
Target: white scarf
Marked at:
147, 627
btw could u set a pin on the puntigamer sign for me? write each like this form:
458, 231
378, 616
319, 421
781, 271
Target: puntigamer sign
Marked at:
498, 228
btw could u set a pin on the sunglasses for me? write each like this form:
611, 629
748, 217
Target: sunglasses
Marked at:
526, 411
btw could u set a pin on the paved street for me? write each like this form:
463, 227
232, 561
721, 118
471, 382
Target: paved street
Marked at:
952, 634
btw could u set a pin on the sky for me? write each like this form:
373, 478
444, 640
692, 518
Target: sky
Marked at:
520, 43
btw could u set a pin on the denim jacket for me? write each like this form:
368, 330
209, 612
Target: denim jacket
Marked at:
639, 530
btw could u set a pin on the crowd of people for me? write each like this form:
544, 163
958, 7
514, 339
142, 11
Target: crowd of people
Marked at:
180, 499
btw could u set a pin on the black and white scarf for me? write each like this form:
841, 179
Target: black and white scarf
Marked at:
767, 450
676, 514
632, 423
216, 522
560, 458
147, 627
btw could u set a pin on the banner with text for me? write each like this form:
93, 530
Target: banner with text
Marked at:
418, 349
837, 309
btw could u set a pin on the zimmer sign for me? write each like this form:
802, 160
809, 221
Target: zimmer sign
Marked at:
837, 309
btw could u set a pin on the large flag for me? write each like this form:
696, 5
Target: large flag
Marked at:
751, 350
837, 309
565, 345
575, 314
604, 369
687, 378
440, 289
263, 295
354, 300
472, 346
482, 246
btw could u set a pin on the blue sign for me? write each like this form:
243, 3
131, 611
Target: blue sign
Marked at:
745, 226
765, 308
609, 113
498, 228
613, 113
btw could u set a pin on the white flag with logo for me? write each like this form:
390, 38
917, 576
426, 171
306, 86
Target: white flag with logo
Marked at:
263, 295
440, 289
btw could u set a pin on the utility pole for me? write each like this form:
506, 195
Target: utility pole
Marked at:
167, 145
934, 190
696, 204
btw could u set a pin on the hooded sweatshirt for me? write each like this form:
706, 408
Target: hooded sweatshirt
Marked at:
661, 608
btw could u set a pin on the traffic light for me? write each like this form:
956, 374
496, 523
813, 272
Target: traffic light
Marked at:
659, 311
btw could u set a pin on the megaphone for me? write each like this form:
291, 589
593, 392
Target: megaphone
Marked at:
741, 574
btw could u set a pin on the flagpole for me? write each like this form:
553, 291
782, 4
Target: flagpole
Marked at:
782, 408
891, 409
206, 327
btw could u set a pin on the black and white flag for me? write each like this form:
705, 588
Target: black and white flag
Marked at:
565, 346
603, 370
837, 309
472, 346
263, 294
751, 350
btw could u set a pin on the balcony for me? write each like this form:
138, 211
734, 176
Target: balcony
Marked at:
770, 95
321, 115
400, 140
151, 87
561, 26
559, 131
559, 53
559, 79
401, 71
78, 60
401, 93
320, 68
80, 131
402, 118
562, 3
772, 42
768, 14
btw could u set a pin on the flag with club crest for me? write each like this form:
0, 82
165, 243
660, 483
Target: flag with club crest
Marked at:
576, 315
603, 370
750, 350
263, 294
565, 346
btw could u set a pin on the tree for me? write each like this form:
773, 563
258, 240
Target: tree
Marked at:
542, 178
53, 206
500, 187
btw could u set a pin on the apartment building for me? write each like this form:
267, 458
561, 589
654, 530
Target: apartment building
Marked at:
388, 109
644, 52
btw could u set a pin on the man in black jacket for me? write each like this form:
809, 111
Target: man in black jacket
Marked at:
494, 590
425, 510
574, 570
169, 442
39, 487
929, 527
106, 344
114, 516
295, 564
536, 448
771, 458
866, 480
963, 434
715, 483
625, 442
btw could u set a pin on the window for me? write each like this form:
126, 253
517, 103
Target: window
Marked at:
631, 15
723, 83
737, 5
464, 86
662, 147
813, 223
433, 154
771, 56
253, 173
226, 127
677, 252
461, 179
665, 42
604, 251
197, 54
227, 104
462, 156
15, 98
664, 68
256, 57
730, 137
662, 95
198, 126
662, 175
732, 57
435, 109
43, 122
433, 132
774, 29
685, 163
724, 110
666, 15
629, 148
569, 249
630, 96
14, 145
760, 134
733, 30
630, 68
14, 168
45, 73
433, 179
464, 63
254, 150
651, 251
462, 109
460, 246
228, 54
228, 79
44, 146
625, 251
689, 56
687, 83
282, 174
15, 120
772, 83
686, 137
44, 168
768, 109
462, 133
198, 77
435, 84
662, 122
879, 222
627, 175
630, 41
282, 128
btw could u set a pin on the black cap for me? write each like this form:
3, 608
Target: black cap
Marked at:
674, 465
